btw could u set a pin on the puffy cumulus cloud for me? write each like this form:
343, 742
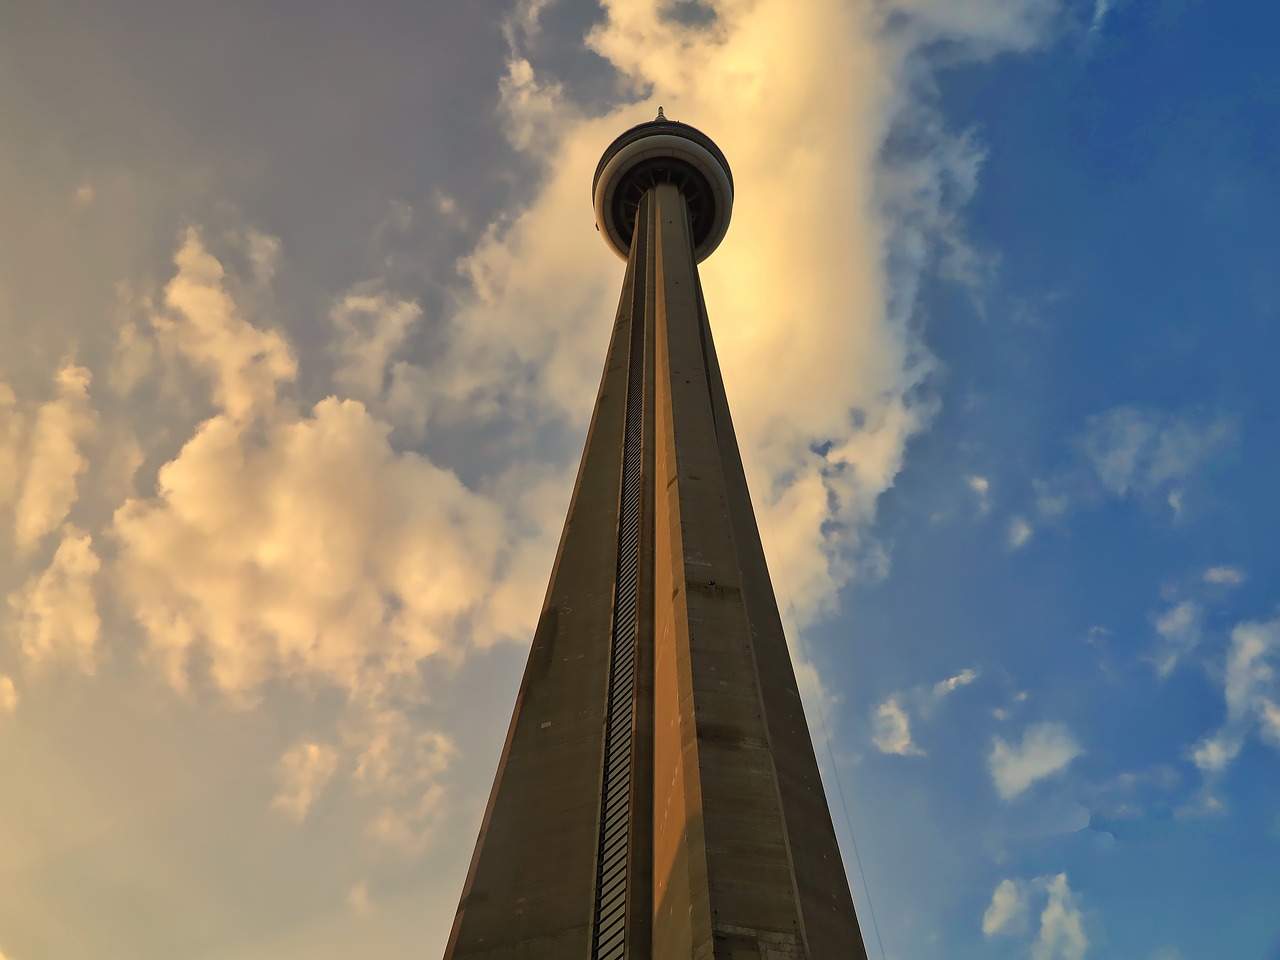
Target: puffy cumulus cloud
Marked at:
824, 375
303, 772
41, 456
8, 695
1046, 749
310, 546
1061, 933
56, 610
305, 544
893, 730
1007, 913
202, 323
1252, 696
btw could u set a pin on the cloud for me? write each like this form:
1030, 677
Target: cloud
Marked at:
981, 488
8, 695
1139, 450
398, 766
1007, 913
1046, 749
55, 611
358, 899
1224, 576
961, 679
1251, 693
305, 543
203, 325
892, 721
40, 454
1179, 627
1061, 933
1100, 10
1146, 454
893, 730
1019, 532
303, 772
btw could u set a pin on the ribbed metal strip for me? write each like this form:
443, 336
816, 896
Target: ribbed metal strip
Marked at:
609, 942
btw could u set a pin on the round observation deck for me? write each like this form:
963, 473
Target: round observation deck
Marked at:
663, 151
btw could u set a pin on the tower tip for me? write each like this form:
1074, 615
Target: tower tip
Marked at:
661, 115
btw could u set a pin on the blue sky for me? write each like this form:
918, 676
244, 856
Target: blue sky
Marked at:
302, 320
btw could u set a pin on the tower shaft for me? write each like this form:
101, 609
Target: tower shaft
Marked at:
658, 794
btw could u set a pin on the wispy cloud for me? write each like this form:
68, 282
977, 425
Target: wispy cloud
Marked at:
1224, 576
8, 695
1046, 749
1019, 532
304, 771
1153, 456
892, 732
1251, 693
892, 719
1180, 630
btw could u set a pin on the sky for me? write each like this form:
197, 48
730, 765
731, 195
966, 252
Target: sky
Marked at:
301, 318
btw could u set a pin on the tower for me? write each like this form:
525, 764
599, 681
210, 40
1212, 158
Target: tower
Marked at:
658, 794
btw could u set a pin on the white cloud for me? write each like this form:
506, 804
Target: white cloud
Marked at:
56, 612
1019, 532
1224, 576
1251, 693
961, 679
1141, 450
370, 328
1046, 749
44, 470
8, 695
204, 326
1100, 10
1179, 628
303, 772
981, 488
892, 733
279, 542
1062, 934
1007, 913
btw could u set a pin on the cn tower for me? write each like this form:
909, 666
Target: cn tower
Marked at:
658, 795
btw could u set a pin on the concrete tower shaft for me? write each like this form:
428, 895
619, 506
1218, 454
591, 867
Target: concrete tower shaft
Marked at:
658, 794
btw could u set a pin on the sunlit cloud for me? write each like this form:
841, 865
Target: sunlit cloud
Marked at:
893, 730
1046, 749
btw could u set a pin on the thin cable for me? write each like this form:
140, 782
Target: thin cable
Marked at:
822, 717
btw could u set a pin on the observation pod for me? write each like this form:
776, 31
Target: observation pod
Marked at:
658, 796
663, 151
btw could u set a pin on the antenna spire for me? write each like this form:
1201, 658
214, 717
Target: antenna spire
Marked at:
661, 115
